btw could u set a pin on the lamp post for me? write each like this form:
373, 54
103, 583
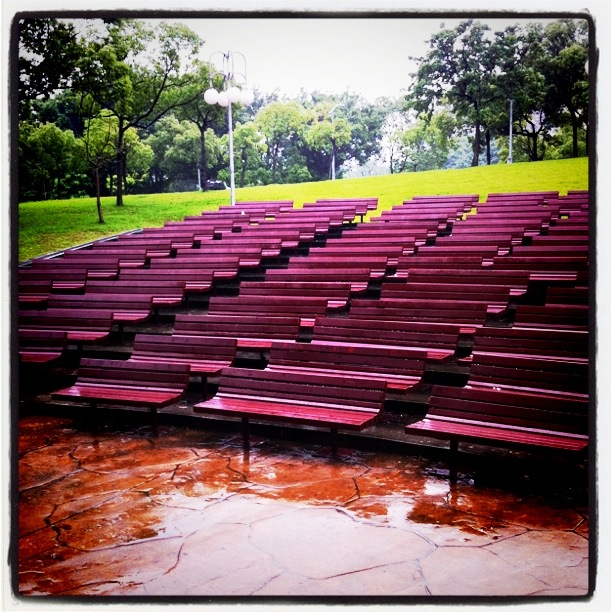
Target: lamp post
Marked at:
333, 163
230, 94
510, 134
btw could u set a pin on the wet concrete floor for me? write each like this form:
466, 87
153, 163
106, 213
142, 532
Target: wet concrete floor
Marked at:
116, 511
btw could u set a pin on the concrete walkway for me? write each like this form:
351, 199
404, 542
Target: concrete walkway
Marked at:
189, 513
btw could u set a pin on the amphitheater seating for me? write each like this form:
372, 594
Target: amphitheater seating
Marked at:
347, 311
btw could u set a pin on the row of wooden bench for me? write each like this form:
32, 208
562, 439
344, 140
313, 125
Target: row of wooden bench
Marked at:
521, 399
226, 388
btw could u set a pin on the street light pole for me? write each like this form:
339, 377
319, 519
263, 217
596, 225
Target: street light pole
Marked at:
510, 134
230, 94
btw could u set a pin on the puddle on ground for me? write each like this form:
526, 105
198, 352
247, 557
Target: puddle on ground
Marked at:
83, 494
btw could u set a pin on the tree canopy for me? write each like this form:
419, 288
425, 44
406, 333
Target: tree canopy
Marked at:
112, 105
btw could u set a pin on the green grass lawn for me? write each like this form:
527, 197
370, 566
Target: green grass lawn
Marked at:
44, 227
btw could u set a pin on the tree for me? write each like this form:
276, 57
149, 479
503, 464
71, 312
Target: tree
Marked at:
206, 117
50, 166
563, 65
325, 139
459, 69
98, 143
249, 150
425, 145
48, 53
137, 75
280, 124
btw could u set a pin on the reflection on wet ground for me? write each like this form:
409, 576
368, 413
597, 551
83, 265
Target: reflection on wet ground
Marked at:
117, 511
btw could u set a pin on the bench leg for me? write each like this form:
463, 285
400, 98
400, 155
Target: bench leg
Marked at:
454, 452
245, 433
154, 420
334, 441
204, 386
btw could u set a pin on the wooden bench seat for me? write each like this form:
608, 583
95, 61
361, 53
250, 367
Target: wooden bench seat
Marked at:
193, 281
205, 355
127, 383
41, 346
518, 279
250, 331
438, 341
401, 369
506, 418
553, 316
82, 327
324, 274
125, 308
529, 374
459, 312
167, 292
337, 403
561, 344
275, 306
567, 295
493, 295
119, 258
445, 261
333, 290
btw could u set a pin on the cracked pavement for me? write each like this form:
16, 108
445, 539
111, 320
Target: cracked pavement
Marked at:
190, 513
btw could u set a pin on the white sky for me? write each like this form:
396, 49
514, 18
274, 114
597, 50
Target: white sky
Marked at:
368, 56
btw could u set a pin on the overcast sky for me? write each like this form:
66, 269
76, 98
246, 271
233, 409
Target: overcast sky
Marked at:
368, 56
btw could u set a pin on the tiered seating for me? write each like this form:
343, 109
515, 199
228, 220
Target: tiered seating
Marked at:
528, 384
347, 312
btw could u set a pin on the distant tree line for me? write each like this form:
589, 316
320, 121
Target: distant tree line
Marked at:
115, 106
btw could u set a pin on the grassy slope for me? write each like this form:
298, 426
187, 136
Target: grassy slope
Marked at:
45, 227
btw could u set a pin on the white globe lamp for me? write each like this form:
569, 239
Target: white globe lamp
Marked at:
233, 94
211, 96
246, 97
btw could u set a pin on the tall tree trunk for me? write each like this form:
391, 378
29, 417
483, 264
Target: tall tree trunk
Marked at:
120, 165
476, 145
488, 141
98, 200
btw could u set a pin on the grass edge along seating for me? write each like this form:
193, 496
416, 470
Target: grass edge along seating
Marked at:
298, 398
121, 382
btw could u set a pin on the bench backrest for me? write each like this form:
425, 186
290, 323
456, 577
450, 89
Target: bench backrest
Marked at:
560, 316
66, 319
187, 348
268, 305
103, 301
502, 407
321, 389
382, 332
435, 291
330, 289
528, 372
363, 358
119, 372
566, 343
236, 326
449, 311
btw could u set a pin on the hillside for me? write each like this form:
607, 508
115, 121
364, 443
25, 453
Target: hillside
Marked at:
45, 227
